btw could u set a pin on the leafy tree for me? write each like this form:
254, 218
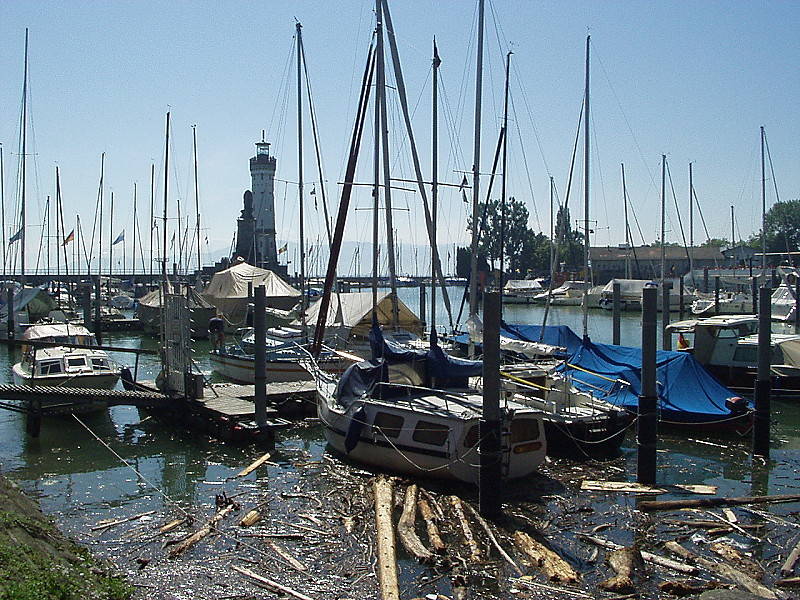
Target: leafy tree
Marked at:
782, 227
516, 230
715, 243
463, 262
569, 241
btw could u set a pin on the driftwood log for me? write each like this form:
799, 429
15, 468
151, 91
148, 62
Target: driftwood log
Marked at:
254, 465
732, 556
273, 586
742, 580
788, 565
490, 534
251, 518
625, 562
387, 558
647, 556
284, 554
198, 535
651, 505
167, 527
406, 527
434, 537
547, 561
466, 531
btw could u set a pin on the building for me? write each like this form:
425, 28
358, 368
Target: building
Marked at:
608, 262
255, 228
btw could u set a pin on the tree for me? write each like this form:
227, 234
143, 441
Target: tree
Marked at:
715, 243
516, 231
782, 227
569, 241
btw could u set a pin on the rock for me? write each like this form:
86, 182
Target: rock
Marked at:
727, 595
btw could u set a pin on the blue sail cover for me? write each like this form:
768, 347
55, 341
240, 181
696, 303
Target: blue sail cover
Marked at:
687, 393
554, 335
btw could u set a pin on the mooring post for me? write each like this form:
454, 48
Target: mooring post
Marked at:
248, 317
754, 293
489, 481
260, 325
422, 303
33, 419
774, 281
86, 304
796, 305
716, 294
763, 384
681, 300
615, 312
647, 423
666, 338
98, 324
705, 280
10, 305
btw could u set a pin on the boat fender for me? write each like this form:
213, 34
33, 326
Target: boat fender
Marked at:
357, 422
127, 378
736, 405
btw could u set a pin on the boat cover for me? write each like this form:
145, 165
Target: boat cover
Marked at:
554, 335
687, 393
353, 311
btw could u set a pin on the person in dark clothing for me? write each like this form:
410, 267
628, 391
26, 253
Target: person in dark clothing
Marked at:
216, 331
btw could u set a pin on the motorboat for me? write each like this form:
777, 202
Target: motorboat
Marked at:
88, 367
730, 303
727, 346
521, 291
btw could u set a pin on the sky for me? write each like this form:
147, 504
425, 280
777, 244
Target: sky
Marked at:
694, 81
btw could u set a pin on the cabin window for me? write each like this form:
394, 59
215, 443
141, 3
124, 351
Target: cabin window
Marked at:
427, 432
725, 333
471, 439
52, 367
524, 430
389, 424
76, 362
99, 364
746, 354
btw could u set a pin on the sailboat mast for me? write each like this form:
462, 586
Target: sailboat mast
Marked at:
150, 224
164, 218
691, 221
3, 208
733, 227
376, 165
303, 297
476, 171
663, 212
100, 228
196, 203
135, 225
763, 210
387, 194
25, 156
503, 179
434, 176
586, 277
552, 232
58, 236
627, 227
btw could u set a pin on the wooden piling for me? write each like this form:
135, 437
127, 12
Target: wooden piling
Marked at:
489, 480
260, 326
647, 423
666, 339
615, 313
10, 305
763, 384
754, 293
681, 300
716, 294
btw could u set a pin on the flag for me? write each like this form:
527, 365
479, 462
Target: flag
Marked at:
464, 183
17, 236
69, 238
464, 197
314, 191
283, 248
120, 238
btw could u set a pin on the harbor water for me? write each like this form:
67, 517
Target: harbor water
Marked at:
121, 462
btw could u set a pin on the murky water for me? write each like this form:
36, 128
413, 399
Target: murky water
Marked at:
135, 465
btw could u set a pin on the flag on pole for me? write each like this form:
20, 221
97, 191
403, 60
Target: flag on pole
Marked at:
464, 183
313, 191
16, 237
120, 238
283, 248
69, 238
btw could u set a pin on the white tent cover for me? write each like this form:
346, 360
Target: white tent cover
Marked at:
354, 312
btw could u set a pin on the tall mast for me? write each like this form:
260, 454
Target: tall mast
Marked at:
25, 155
135, 224
100, 228
376, 167
627, 228
476, 171
150, 225
164, 218
110, 243
196, 202
58, 235
763, 210
387, 197
691, 222
733, 227
303, 298
434, 176
503, 179
663, 211
552, 233
586, 277
62, 239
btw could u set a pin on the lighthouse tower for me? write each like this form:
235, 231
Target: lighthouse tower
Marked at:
262, 174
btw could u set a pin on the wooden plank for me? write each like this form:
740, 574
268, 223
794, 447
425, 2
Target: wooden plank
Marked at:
638, 488
254, 465
387, 558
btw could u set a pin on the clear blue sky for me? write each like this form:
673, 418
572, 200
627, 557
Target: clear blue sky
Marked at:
694, 80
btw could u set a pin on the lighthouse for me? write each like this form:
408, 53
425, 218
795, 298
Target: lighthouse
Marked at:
262, 175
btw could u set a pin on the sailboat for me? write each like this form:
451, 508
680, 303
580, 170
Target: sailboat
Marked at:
406, 410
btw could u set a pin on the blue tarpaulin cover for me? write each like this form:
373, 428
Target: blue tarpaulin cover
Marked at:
687, 393
554, 335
